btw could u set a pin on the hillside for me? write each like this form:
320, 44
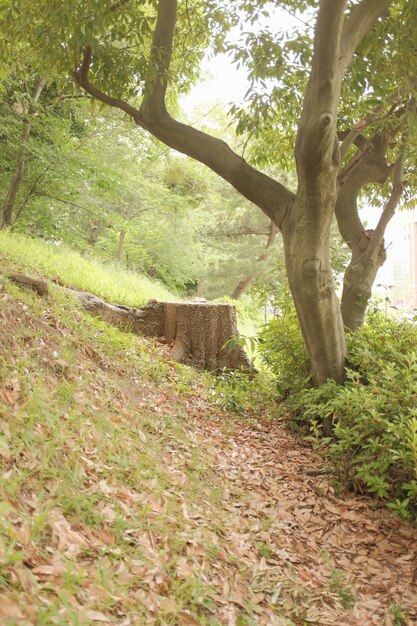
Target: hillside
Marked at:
129, 497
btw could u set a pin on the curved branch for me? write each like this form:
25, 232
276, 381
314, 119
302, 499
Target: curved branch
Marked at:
367, 166
361, 20
81, 77
271, 196
390, 207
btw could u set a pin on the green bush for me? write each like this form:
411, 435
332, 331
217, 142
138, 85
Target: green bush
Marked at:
282, 348
374, 413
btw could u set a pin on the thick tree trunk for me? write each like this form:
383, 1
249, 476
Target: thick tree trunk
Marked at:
311, 282
7, 217
244, 284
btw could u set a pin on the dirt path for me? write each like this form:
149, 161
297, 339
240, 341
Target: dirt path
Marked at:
339, 559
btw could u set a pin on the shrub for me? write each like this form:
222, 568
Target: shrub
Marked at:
374, 413
282, 348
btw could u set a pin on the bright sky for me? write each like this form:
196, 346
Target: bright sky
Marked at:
225, 83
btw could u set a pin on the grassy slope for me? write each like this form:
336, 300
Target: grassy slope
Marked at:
122, 502
72, 269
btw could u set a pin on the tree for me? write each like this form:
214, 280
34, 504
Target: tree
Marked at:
9, 204
106, 49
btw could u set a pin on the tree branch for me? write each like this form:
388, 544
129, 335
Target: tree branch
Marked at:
390, 207
361, 20
81, 77
316, 137
271, 196
366, 167
354, 162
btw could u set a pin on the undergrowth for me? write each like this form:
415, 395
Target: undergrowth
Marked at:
374, 413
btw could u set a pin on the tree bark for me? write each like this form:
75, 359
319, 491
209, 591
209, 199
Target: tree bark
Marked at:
367, 246
306, 248
7, 217
245, 282
358, 281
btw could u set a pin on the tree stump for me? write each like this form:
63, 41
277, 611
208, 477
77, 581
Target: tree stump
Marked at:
195, 331
147, 321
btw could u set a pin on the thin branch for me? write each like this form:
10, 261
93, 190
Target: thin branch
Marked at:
81, 77
360, 155
350, 139
390, 207
69, 202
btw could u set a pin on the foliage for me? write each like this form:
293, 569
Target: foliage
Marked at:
243, 394
280, 343
50, 153
374, 413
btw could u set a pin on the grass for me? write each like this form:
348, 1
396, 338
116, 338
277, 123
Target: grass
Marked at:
110, 511
96, 465
113, 508
72, 269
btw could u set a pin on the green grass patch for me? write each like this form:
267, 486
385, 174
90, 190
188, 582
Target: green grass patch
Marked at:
74, 270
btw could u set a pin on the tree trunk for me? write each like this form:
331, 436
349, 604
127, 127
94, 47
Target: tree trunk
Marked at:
358, 281
7, 217
244, 284
119, 252
318, 309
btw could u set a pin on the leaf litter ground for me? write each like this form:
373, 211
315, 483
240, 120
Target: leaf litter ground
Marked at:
127, 497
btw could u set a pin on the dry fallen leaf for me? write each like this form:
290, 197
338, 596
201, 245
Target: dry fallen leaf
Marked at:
97, 616
186, 619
